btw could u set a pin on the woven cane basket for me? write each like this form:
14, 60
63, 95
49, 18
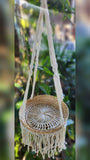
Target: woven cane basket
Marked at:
41, 128
42, 114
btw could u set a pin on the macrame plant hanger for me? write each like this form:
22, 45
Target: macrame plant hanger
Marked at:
43, 118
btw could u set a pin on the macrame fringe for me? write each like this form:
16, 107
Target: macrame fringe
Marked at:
44, 143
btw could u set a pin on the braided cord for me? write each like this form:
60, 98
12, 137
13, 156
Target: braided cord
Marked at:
33, 57
39, 36
53, 59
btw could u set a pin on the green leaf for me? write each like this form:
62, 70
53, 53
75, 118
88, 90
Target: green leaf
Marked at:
16, 149
70, 153
17, 85
48, 71
18, 104
29, 156
61, 76
70, 131
45, 88
68, 2
32, 156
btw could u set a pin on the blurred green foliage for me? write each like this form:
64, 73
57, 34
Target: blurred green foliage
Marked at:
56, 5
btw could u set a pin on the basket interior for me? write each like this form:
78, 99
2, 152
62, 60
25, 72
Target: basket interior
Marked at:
42, 113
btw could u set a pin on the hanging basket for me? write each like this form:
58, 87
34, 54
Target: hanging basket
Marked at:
41, 127
43, 118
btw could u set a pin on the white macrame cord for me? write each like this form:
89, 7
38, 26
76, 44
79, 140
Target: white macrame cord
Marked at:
35, 47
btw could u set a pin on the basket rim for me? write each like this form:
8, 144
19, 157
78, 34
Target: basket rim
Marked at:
41, 99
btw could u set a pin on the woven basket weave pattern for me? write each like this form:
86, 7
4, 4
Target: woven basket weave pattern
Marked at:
48, 123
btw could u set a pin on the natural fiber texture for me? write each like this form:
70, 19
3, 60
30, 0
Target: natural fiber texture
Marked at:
53, 58
43, 111
44, 143
43, 118
41, 127
38, 44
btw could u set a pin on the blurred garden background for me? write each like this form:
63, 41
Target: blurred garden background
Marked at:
62, 16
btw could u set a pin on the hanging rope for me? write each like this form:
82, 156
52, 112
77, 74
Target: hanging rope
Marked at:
53, 58
32, 59
39, 36
36, 50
